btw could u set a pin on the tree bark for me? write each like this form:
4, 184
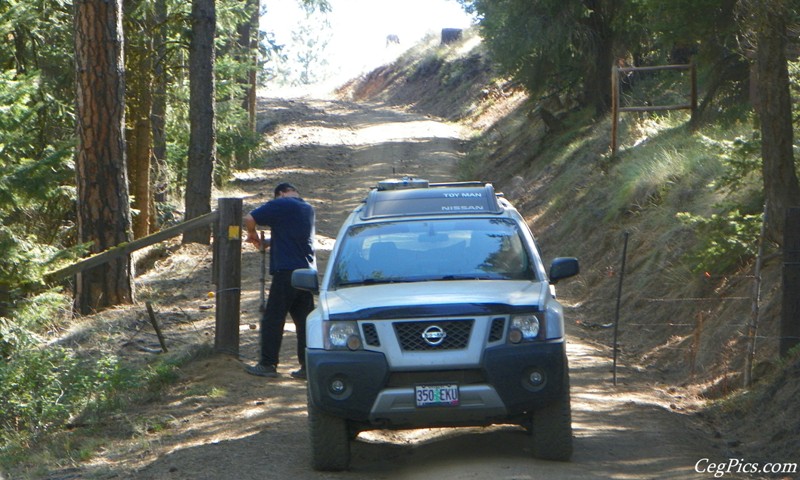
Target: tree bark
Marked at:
159, 111
248, 45
202, 134
139, 79
790, 314
104, 218
597, 81
781, 187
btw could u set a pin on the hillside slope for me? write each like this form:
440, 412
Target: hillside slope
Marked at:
687, 328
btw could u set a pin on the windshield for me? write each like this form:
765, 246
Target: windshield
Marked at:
450, 249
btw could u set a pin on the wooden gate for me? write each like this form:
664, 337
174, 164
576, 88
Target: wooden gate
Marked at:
227, 261
615, 101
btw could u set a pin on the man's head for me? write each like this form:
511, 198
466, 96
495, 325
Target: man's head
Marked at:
284, 188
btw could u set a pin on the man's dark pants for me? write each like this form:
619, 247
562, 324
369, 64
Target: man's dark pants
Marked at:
283, 299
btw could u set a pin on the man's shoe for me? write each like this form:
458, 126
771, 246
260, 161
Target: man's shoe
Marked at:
262, 370
300, 374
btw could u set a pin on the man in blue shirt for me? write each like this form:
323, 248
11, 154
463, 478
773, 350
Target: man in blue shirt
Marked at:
291, 246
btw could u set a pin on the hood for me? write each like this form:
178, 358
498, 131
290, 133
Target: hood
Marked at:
428, 298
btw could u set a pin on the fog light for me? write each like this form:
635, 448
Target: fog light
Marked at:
337, 386
536, 378
354, 342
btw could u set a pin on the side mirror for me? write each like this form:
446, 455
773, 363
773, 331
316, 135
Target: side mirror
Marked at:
306, 279
563, 267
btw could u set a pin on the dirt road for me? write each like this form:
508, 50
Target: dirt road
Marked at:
219, 422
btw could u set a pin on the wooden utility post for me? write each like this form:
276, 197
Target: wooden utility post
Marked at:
228, 248
790, 321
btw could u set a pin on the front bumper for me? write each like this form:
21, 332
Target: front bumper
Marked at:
500, 389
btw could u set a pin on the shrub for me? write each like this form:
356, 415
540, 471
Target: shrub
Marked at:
726, 241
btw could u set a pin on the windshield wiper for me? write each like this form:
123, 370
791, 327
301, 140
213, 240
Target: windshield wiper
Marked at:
381, 281
375, 281
470, 277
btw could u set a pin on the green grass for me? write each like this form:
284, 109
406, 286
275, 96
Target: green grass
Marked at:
43, 390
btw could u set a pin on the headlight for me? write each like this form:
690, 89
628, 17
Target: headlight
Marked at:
524, 328
343, 335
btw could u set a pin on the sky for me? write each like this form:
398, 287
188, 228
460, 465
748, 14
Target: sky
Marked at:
360, 27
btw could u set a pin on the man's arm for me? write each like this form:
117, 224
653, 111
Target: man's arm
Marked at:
252, 235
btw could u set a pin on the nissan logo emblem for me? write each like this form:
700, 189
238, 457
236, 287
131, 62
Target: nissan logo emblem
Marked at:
434, 335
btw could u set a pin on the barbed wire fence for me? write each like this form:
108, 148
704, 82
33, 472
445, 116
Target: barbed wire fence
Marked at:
747, 330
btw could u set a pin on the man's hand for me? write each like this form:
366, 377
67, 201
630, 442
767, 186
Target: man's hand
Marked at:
254, 239
252, 235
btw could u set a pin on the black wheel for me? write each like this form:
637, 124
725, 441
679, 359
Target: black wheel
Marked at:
551, 435
330, 440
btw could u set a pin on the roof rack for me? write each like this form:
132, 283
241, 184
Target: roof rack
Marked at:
405, 182
411, 182
459, 184
415, 197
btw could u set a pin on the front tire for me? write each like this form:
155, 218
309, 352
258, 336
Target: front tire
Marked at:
551, 435
330, 440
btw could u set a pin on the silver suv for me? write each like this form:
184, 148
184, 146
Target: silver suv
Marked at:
436, 310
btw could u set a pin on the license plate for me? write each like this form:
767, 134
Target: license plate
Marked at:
436, 395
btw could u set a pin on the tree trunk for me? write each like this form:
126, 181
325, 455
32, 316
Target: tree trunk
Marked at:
597, 82
159, 111
202, 134
139, 85
790, 314
775, 113
104, 218
252, 94
248, 45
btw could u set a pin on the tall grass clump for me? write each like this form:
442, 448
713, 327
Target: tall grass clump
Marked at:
665, 158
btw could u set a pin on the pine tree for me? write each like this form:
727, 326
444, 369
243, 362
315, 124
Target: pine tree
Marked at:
104, 218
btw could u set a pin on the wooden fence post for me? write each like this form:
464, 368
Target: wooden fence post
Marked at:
229, 275
790, 317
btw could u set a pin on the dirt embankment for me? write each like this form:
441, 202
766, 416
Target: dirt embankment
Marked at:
219, 422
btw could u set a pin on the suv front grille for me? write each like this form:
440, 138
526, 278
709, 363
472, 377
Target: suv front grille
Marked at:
436, 335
